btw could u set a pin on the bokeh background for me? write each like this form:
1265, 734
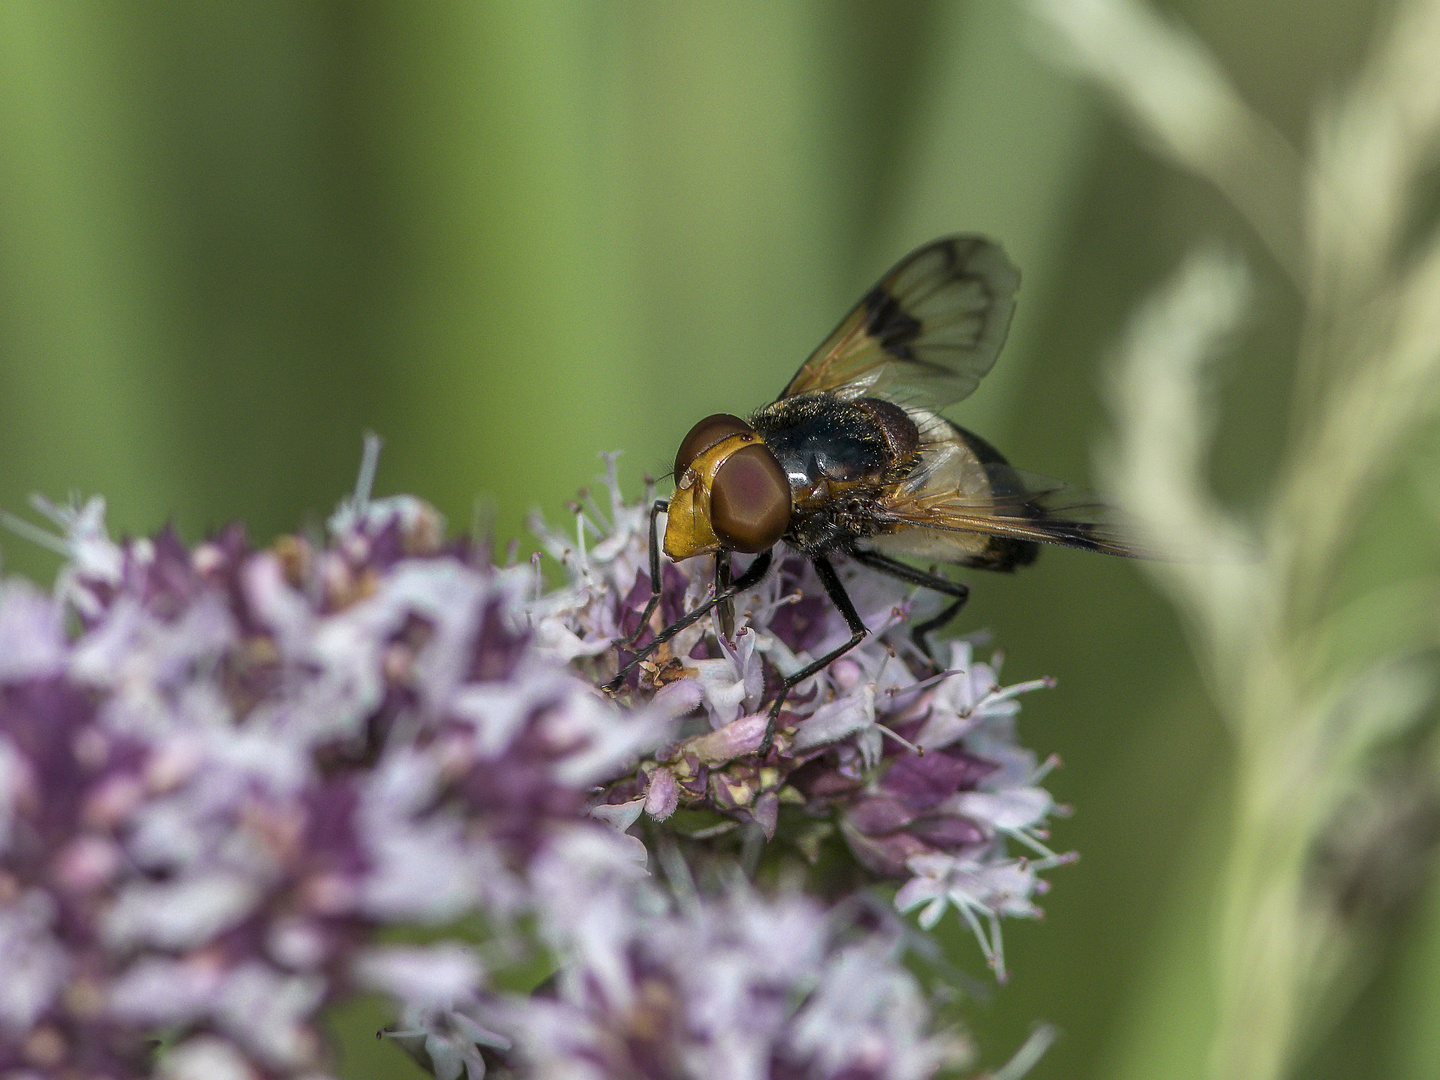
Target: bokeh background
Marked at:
233, 237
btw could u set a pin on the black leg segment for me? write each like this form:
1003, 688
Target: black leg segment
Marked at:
722, 582
660, 507
748, 580
841, 599
896, 569
727, 588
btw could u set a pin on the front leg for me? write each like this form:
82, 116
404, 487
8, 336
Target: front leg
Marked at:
722, 582
748, 580
660, 507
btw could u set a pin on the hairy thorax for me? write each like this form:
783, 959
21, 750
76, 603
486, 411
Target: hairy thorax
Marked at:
839, 456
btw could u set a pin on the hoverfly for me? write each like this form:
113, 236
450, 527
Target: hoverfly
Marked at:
854, 459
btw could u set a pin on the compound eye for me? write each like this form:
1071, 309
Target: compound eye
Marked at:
704, 435
750, 500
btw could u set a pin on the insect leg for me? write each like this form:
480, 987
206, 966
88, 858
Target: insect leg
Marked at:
841, 599
722, 582
960, 593
655, 511
748, 580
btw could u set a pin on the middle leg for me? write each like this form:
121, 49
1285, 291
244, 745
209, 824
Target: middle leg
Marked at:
959, 594
841, 599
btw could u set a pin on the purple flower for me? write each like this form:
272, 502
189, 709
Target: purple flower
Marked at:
246, 761
731, 986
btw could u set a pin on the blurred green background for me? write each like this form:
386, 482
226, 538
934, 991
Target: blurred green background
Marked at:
507, 237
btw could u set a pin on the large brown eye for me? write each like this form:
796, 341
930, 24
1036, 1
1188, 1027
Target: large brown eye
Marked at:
704, 435
750, 499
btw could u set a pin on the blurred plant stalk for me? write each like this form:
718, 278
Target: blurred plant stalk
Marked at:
1314, 690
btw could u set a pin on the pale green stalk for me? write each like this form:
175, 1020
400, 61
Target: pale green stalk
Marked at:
1309, 701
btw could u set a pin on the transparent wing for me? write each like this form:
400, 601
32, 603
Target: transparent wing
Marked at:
926, 334
957, 491
1066, 516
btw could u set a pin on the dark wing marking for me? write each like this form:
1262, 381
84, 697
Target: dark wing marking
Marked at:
926, 334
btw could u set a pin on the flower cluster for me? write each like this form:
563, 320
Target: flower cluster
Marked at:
740, 987
243, 762
727, 984
223, 769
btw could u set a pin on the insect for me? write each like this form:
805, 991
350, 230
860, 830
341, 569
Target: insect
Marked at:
854, 459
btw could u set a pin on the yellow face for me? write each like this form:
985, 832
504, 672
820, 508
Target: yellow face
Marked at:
688, 528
